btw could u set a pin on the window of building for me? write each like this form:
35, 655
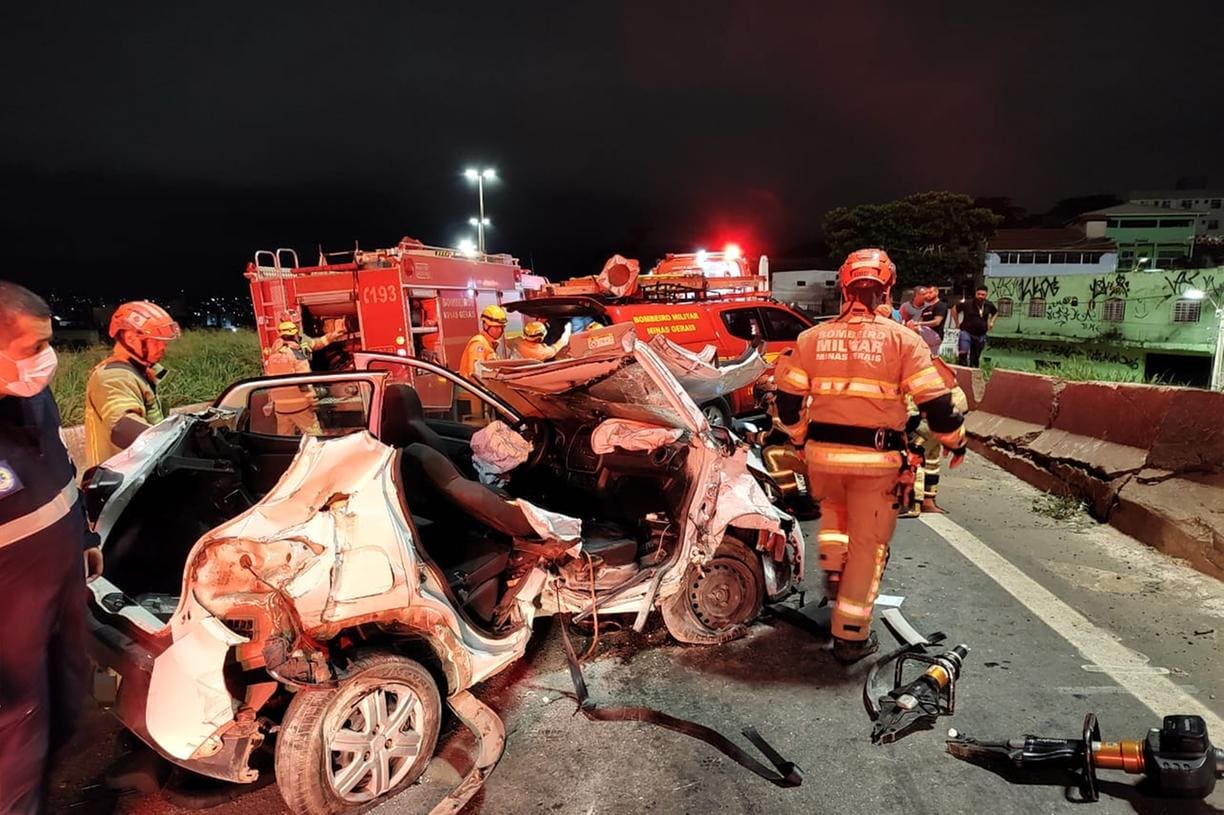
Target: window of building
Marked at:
1004, 306
1024, 257
1215, 203
1213, 224
1187, 204
1041, 257
1139, 223
1113, 310
1091, 257
1175, 223
1113, 223
800, 283
1036, 307
1187, 311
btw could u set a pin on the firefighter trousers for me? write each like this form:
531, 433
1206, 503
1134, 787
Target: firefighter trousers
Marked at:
857, 518
927, 485
302, 423
44, 663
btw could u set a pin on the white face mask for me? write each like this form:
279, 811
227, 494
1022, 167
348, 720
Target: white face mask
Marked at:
33, 373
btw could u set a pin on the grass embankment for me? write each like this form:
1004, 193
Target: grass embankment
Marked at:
201, 364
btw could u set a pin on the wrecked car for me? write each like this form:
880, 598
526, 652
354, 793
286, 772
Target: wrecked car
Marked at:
332, 592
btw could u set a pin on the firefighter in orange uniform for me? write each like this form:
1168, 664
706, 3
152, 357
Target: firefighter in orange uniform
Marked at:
841, 394
532, 346
480, 348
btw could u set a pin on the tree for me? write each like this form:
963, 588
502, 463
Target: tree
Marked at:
933, 237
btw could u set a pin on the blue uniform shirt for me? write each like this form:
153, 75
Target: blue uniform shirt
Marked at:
34, 464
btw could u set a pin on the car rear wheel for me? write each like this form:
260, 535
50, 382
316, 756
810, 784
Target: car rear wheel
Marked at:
717, 412
341, 749
718, 597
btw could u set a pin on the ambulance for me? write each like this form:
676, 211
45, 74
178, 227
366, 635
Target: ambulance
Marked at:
697, 300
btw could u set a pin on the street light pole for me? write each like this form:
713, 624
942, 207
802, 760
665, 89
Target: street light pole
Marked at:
480, 176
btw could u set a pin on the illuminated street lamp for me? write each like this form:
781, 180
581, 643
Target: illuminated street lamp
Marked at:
480, 177
1217, 359
467, 247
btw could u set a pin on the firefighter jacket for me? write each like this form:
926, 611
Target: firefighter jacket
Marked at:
856, 372
290, 358
478, 349
539, 351
120, 400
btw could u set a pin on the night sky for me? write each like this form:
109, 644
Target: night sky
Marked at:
147, 147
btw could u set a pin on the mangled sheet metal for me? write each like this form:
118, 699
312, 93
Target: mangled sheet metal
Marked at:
700, 377
608, 373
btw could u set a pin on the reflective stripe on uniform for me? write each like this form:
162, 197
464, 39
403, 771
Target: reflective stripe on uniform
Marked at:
34, 522
855, 386
867, 458
926, 381
853, 609
832, 537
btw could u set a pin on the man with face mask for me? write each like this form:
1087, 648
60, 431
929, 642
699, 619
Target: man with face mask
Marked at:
121, 396
43, 663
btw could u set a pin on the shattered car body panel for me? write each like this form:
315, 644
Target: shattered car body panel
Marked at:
276, 586
698, 374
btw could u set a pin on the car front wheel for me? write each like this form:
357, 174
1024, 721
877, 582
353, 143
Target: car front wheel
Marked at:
341, 749
718, 597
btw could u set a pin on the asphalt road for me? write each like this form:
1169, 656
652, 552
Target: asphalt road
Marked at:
1064, 617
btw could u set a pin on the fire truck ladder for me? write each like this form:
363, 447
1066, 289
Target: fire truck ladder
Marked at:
275, 268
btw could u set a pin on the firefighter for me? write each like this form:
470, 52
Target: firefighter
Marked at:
483, 345
532, 346
44, 666
926, 482
295, 406
290, 336
121, 398
841, 394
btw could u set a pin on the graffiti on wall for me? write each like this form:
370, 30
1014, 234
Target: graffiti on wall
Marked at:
1176, 282
1107, 287
1026, 288
1069, 311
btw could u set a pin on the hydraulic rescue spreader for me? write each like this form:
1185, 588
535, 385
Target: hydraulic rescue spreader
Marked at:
1178, 758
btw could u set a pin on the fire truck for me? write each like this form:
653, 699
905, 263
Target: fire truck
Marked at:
697, 299
411, 300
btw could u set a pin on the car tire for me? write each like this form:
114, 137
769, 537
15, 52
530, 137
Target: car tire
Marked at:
311, 774
719, 598
717, 412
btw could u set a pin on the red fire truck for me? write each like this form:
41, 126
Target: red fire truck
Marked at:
411, 300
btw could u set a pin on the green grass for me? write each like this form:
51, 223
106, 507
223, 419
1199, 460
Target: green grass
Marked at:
201, 364
1059, 507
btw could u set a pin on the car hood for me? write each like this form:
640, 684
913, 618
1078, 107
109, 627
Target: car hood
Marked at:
608, 373
700, 377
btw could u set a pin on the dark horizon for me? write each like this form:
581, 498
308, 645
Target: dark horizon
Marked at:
157, 151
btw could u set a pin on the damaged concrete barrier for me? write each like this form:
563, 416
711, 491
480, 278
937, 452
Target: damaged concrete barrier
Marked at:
1149, 459
972, 382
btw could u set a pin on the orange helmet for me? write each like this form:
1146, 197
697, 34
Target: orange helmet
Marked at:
147, 320
868, 264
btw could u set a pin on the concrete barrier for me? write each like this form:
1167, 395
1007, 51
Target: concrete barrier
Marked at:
1105, 427
1015, 408
1190, 435
971, 382
1148, 459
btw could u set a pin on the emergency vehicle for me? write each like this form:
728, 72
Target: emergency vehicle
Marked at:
695, 299
411, 300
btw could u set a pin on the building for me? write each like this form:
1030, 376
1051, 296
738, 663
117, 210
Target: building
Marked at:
1209, 202
1044, 252
1125, 326
1147, 236
813, 290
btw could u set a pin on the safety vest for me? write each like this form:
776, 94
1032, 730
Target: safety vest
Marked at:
116, 388
856, 371
478, 349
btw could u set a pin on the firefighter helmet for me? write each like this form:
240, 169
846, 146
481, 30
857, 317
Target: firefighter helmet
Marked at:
494, 314
868, 264
535, 330
287, 328
148, 321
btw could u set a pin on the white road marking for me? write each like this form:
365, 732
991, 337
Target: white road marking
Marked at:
1157, 692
